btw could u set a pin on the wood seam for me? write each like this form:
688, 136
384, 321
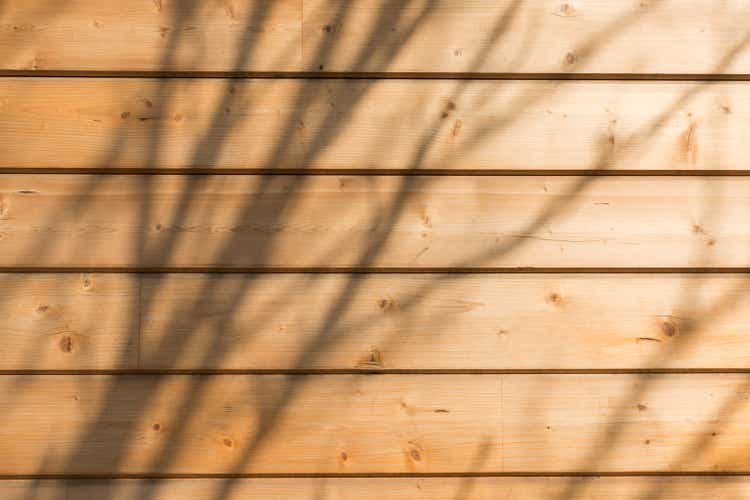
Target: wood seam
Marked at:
142, 372
377, 270
319, 172
83, 477
317, 75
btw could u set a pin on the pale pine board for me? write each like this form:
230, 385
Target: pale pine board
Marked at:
259, 222
150, 35
402, 488
483, 36
68, 321
373, 322
60, 424
247, 125
476, 321
526, 36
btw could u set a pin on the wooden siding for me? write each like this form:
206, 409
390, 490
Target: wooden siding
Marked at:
427, 36
418, 222
193, 424
247, 125
315, 249
391, 322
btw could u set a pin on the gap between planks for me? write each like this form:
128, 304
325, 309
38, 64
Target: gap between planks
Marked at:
11, 477
218, 171
387, 371
677, 77
376, 270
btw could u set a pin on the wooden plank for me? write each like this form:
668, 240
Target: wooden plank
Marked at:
68, 322
485, 36
100, 424
423, 322
247, 125
400, 488
526, 36
151, 35
373, 322
241, 222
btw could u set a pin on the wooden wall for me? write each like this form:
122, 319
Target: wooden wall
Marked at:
395, 249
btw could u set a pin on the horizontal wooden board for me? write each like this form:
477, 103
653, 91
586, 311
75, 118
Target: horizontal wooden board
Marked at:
97, 424
151, 35
401, 488
241, 222
68, 321
485, 36
373, 322
445, 322
248, 125
512, 36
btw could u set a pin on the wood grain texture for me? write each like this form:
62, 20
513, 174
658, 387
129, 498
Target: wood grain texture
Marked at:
372, 222
484, 36
287, 124
511, 36
151, 35
373, 322
151, 423
444, 322
464, 488
68, 322
364, 423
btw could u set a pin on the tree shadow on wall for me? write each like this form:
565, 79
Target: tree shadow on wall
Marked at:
274, 201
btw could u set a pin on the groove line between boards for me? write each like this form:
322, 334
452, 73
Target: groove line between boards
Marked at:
696, 77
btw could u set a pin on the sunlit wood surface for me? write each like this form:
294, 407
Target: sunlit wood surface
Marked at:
329, 249
425, 36
369, 125
95, 321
